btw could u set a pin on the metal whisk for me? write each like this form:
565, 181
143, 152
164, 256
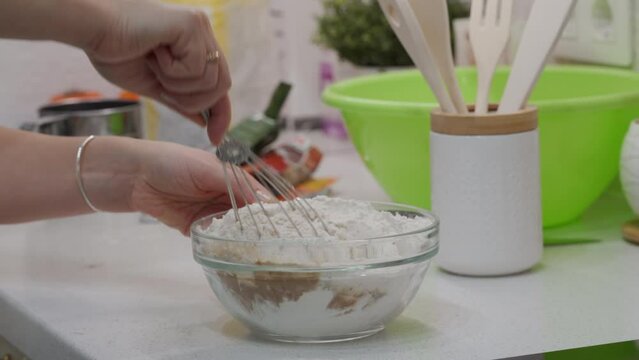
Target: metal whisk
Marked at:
235, 154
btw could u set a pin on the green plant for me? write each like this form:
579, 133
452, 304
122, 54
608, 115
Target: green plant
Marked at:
358, 31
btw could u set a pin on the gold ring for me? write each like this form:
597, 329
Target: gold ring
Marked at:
212, 56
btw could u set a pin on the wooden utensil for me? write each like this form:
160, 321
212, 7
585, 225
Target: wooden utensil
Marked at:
402, 19
630, 231
432, 16
489, 33
546, 22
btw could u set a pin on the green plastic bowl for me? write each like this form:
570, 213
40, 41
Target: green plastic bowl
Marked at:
584, 113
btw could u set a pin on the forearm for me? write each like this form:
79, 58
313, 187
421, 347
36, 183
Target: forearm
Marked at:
75, 22
37, 175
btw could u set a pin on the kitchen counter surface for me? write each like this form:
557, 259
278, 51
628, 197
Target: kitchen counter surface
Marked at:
107, 286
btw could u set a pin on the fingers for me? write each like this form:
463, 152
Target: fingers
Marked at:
187, 68
263, 194
205, 83
190, 81
220, 120
188, 56
192, 104
248, 190
204, 96
185, 57
195, 95
157, 92
234, 181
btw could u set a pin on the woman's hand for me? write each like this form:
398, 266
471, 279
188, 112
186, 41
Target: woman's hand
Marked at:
167, 53
173, 183
179, 185
164, 52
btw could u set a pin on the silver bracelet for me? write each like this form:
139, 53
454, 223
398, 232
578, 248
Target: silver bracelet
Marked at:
78, 172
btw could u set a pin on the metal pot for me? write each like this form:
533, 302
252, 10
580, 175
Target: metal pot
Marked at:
105, 117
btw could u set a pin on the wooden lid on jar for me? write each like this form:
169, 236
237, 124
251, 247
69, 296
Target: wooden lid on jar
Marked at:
489, 124
631, 231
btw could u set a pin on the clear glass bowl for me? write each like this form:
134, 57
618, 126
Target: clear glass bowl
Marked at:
342, 290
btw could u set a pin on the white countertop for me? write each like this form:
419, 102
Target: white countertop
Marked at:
105, 286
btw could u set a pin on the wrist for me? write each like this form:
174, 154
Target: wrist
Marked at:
83, 23
110, 168
80, 23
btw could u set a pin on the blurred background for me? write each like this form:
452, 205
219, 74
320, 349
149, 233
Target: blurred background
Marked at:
266, 41
309, 43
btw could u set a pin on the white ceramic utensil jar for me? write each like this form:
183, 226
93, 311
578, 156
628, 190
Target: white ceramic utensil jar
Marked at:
486, 191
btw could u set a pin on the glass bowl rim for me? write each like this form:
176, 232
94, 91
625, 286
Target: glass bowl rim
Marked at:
194, 232
431, 231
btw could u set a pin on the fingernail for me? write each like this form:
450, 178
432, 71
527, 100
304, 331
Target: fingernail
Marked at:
262, 196
218, 139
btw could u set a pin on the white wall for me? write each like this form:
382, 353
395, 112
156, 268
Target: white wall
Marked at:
31, 72
299, 59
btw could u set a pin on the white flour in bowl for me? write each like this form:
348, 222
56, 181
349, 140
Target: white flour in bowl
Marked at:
345, 220
341, 219
322, 304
